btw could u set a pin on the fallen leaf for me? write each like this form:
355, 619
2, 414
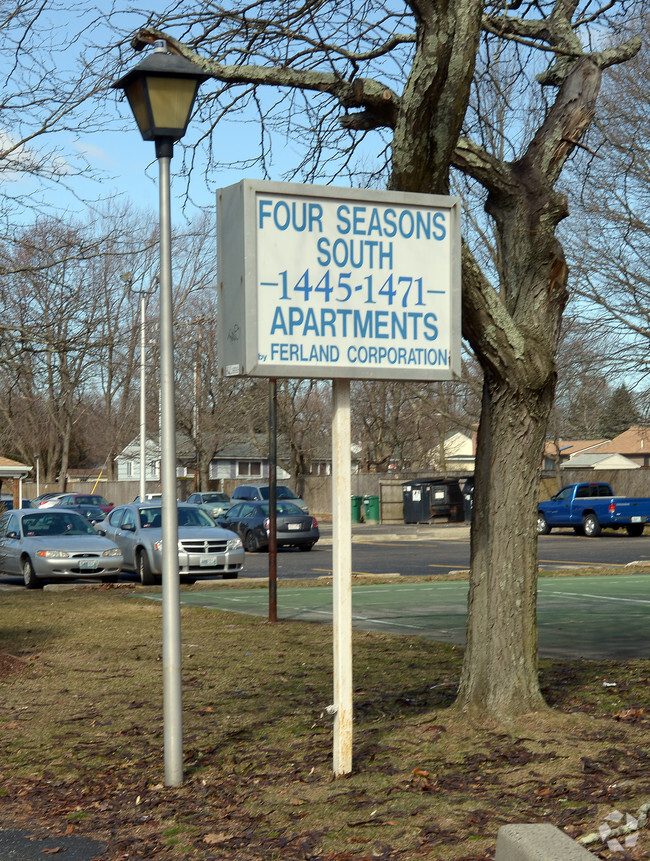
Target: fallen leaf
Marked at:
212, 839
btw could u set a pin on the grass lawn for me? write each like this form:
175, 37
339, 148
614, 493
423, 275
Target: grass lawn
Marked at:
81, 736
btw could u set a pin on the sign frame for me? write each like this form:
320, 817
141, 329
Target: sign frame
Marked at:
379, 224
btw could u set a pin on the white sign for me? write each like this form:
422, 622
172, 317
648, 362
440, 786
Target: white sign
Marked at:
325, 282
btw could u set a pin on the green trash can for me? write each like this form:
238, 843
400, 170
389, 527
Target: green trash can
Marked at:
371, 504
356, 509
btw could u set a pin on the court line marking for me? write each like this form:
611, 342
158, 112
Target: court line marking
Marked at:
599, 597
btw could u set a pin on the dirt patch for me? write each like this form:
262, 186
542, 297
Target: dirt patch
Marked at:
10, 664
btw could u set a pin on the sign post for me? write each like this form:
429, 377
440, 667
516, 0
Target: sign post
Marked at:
342, 577
319, 282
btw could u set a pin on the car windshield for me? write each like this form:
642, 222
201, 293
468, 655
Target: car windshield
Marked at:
190, 516
56, 523
216, 497
282, 492
282, 508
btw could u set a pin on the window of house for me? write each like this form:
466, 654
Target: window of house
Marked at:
249, 468
320, 467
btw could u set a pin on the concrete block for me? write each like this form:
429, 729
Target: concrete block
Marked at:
539, 842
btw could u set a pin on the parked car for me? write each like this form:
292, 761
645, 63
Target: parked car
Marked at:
93, 513
250, 520
203, 547
214, 502
260, 493
7, 502
77, 499
590, 507
54, 543
36, 502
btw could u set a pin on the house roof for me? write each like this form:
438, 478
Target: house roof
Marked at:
635, 440
602, 460
13, 469
569, 448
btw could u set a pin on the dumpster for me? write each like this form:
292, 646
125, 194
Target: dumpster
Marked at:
427, 498
371, 504
356, 509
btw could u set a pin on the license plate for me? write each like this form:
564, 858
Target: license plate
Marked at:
293, 526
87, 564
208, 561
637, 519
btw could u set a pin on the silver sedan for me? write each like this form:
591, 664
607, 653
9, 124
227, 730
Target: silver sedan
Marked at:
203, 547
54, 543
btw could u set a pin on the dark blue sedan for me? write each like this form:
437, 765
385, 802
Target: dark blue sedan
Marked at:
250, 520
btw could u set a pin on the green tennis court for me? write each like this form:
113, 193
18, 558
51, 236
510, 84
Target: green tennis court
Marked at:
591, 617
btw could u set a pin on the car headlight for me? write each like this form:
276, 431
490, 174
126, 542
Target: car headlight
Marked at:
234, 544
53, 554
113, 551
158, 545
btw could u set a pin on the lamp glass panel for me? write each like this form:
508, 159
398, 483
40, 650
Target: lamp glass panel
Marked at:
171, 101
137, 96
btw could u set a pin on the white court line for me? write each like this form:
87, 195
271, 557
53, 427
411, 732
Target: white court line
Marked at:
598, 597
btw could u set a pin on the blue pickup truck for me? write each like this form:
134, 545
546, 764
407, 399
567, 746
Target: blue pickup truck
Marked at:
591, 506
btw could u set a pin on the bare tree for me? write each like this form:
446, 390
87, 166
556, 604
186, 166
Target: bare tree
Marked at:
47, 95
609, 244
413, 75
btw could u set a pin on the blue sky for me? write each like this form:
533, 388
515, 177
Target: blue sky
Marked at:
117, 160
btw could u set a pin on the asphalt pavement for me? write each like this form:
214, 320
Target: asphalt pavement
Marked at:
34, 845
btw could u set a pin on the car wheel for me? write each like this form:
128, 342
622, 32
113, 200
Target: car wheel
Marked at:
634, 530
29, 576
251, 542
591, 525
305, 547
542, 524
144, 569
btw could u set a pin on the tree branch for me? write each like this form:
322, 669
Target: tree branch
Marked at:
366, 93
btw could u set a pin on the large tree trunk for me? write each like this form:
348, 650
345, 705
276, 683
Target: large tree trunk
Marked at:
500, 669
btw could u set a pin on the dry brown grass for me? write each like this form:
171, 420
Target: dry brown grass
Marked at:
81, 721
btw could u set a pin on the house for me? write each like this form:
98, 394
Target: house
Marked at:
459, 451
628, 450
563, 450
240, 458
593, 460
14, 472
634, 444
128, 461
245, 459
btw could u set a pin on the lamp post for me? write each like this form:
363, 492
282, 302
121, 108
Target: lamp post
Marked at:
127, 277
161, 91
37, 458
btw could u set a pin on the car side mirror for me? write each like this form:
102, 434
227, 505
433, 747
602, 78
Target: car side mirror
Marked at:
13, 535
128, 527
